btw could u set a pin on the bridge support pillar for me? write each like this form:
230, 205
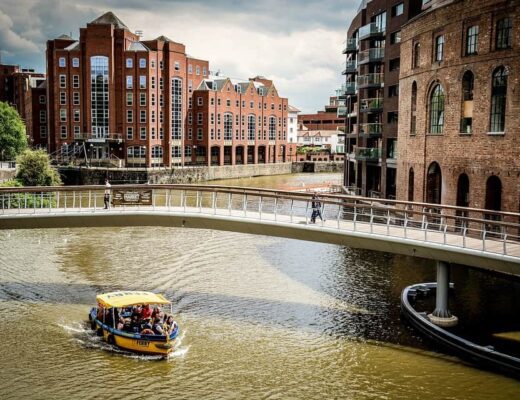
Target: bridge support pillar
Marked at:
442, 316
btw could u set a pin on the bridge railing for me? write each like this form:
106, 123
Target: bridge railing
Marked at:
450, 225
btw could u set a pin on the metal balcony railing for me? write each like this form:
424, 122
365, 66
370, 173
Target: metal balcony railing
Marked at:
370, 80
347, 89
349, 67
376, 54
371, 31
371, 105
371, 130
350, 46
368, 153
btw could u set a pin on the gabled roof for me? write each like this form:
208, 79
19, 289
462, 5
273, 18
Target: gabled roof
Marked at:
163, 38
64, 37
293, 109
109, 18
137, 46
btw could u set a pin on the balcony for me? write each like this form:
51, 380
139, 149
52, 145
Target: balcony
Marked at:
347, 89
371, 31
374, 55
370, 81
372, 105
368, 153
100, 137
350, 46
342, 111
372, 130
349, 67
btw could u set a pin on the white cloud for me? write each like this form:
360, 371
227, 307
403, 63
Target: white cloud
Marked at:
295, 43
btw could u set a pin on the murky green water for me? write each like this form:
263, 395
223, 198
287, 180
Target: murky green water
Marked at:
261, 317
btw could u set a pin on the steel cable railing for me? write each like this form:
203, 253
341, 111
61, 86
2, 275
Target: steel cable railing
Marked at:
485, 230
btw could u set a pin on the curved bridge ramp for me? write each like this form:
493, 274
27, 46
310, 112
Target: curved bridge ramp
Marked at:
479, 238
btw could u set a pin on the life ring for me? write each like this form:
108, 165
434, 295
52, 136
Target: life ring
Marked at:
147, 332
111, 340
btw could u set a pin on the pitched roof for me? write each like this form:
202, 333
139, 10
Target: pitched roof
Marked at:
109, 18
293, 109
137, 46
73, 46
64, 37
164, 38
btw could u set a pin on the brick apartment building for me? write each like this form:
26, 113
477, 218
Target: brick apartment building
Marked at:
25, 90
459, 125
116, 97
329, 119
370, 95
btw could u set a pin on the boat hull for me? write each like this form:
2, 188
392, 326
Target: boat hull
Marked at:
134, 342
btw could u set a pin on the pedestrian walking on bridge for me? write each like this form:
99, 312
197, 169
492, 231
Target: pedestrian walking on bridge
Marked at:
316, 208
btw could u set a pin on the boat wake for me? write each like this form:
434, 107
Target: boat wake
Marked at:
81, 334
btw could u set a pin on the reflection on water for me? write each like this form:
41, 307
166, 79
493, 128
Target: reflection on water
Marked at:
261, 318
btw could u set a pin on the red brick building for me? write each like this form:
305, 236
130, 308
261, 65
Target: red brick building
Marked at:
459, 125
329, 119
116, 97
25, 90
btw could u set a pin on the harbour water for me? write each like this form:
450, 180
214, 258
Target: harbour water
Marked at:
261, 317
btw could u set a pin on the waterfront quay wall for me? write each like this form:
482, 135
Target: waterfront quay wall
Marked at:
195, 174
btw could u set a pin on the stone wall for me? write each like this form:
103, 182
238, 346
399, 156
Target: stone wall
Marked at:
6, 174
96, 176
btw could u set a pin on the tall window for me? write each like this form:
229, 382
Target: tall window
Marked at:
504, 38
272, 128
228, 126
99, 92
472, 40
176, 108
413, 120
251, 127
437, 109
467, 102
498, 100
416, 55
439, 48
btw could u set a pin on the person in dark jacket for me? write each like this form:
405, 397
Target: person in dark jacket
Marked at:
316, 208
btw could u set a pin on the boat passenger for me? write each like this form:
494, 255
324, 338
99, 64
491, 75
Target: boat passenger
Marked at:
146, 312
158, 326
120, 324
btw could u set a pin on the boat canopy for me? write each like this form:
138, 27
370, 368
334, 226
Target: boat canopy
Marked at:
129, 298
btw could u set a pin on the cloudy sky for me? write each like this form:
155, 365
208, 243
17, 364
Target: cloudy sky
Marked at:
297, 43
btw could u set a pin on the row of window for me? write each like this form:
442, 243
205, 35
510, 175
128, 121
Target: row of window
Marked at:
63, 81
436, 104
503, 40
62, 62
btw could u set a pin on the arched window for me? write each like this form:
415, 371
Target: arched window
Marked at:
410, 184
413, 118
437, 109
272, 127
434, 184
228, 126
498, 100
416, 55
493, 193
251, 127
466, 121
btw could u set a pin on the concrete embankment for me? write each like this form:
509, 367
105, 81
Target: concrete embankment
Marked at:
97, 175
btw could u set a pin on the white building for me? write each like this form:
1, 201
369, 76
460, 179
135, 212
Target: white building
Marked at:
326, 139
292, 124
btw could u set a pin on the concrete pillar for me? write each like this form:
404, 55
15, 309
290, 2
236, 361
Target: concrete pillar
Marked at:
233, 155
221, 156
442, 316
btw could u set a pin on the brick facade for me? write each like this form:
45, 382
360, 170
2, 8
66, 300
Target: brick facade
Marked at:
468, 149
146, 111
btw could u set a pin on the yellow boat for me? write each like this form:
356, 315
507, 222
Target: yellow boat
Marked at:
112, 305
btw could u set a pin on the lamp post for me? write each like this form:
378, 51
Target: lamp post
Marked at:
195, 152
91, 151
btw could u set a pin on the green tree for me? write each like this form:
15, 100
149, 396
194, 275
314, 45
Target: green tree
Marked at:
12, 133
34, 169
